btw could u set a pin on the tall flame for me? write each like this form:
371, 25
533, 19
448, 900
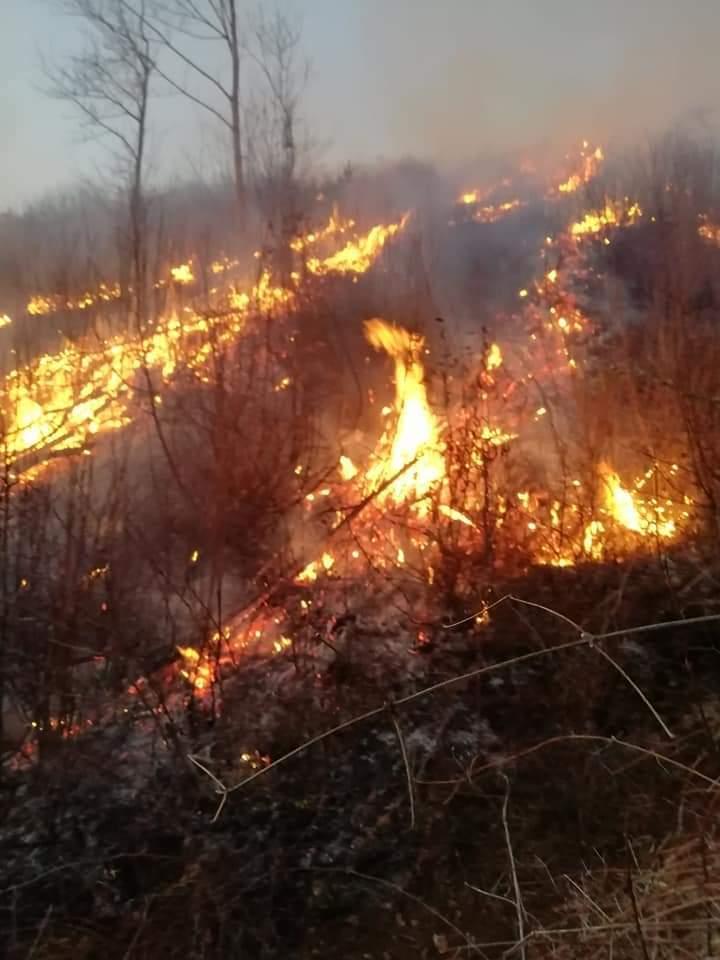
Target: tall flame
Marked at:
414, 447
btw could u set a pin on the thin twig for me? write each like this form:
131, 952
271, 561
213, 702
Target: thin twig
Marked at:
628, 679
526, 603
406, 761
579, 737
41, 930
388, 884
488, 893
584, 639
664, 625
636, 915
519, 908
586, 896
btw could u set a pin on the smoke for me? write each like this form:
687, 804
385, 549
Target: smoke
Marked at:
467, 79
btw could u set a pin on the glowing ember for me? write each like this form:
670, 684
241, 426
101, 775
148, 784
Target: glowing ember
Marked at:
709, 231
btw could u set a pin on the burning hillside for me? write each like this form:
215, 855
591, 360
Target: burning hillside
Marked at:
452, 455
289, 485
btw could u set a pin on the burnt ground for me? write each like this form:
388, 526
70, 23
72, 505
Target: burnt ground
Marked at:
109, 849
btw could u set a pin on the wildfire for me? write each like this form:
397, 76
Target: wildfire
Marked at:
493, 357
336, 226
635, 516
412, 447
348, 470
357, 255
60, 400
613, 215
312, 570
471, 196
495, 212
41, 305
182, 274
222, 265
709, 231
589, 164
197, 670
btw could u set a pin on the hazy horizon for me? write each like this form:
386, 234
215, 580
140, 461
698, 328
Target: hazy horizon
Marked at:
393, 78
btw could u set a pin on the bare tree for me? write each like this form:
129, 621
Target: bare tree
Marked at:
264, 98
273, 48
174, 24
109, 83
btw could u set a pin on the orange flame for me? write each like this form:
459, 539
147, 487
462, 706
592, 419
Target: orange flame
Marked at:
588, 167
413, 447
358, 255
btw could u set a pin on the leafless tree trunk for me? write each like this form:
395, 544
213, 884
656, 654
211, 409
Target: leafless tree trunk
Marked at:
109, 83
273, 47
173, 24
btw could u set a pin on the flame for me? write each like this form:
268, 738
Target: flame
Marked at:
222, 265
619, 501
470, 197
358, 255
60, 400
335, 226
42, 305
312, 570
39, 306
197, 668
5, 320
414, 442
589, 164
348, 470
637, 517
493, 358
182, 274
709, 231
452, 514
495, 212
614, 214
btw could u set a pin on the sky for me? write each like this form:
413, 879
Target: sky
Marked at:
442, 80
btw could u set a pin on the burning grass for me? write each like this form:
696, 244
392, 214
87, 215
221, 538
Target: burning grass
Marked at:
224, 566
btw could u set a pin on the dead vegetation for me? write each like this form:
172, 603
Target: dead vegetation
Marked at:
493, 735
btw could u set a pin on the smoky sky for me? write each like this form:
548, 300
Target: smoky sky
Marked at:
444, 80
